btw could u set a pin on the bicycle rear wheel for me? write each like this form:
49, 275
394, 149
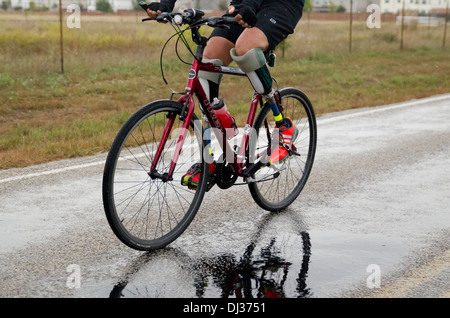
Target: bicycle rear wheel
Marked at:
275, 187
144, 212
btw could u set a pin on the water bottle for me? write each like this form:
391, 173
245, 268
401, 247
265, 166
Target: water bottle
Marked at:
227, 121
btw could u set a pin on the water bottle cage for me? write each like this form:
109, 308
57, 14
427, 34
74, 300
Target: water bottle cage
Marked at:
233, 125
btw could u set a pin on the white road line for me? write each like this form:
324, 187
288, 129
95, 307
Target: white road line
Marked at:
53, 171
379, 109
320, 121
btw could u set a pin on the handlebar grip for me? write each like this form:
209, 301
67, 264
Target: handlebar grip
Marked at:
229, 20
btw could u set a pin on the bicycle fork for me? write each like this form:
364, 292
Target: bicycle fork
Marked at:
188, 108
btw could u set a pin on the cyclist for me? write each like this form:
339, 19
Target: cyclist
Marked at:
263, 24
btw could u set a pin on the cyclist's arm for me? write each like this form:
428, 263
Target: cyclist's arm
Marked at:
247, 12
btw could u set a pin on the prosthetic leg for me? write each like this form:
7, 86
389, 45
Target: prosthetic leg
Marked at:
254, 64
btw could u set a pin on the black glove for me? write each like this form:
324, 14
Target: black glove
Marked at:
247, 13
160, 6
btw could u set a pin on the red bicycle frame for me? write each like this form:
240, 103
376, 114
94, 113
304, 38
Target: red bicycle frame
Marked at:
194, 88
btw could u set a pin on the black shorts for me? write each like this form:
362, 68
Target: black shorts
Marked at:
276, 19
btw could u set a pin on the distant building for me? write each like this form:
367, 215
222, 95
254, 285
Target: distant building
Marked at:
419, 6
89, 5
325, 5
116, 5
23, 4
320, 5
386, 6
204, 5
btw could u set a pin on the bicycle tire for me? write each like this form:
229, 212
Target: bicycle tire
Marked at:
138, 208
297, 169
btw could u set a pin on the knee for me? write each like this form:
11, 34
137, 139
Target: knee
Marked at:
241, 49
251, 39
219, 48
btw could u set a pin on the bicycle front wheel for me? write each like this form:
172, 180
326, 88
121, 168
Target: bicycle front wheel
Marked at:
275, 187
148, 213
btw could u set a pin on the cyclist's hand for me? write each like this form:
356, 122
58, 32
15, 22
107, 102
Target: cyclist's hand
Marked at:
155, 8
246, 16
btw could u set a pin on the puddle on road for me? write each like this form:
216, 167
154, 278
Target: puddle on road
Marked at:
292, 265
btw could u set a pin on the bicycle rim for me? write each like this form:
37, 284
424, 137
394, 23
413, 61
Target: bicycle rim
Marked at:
276, 187
146, 213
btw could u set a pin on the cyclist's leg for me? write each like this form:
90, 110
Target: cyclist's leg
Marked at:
250, 39
219, 48
253, 62
276, 20
217, 52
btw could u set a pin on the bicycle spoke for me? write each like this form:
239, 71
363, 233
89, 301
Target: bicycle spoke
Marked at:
149, 208
286, 183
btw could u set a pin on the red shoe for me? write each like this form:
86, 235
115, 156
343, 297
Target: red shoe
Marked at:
190, 179
287, 134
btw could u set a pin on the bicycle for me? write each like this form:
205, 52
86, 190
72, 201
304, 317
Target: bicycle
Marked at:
146, 205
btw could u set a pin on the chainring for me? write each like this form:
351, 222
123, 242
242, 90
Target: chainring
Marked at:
225, 174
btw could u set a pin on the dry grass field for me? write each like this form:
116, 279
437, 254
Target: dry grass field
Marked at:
112, 69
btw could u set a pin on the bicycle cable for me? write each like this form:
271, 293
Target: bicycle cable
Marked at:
180, 33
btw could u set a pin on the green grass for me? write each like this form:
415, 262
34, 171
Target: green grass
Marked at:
112, 69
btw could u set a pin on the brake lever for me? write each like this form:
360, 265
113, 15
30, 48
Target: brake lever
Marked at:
212, 23
164, 17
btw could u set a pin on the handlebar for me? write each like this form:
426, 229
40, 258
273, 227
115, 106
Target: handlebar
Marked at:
190, 17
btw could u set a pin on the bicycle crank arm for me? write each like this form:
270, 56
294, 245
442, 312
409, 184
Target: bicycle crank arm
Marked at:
248, 172
267, 178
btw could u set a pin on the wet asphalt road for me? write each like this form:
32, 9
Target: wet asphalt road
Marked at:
372, 221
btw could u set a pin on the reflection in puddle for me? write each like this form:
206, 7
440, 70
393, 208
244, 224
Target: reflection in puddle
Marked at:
255, 275
271, 266
276, 261
259, 273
